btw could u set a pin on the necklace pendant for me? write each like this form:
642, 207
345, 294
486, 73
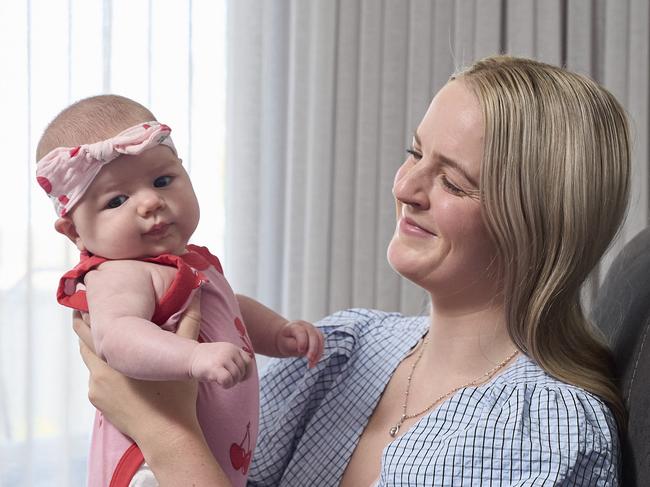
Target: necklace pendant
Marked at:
394, 430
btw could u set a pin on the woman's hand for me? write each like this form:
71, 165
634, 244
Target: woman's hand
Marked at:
160, 416
136, 407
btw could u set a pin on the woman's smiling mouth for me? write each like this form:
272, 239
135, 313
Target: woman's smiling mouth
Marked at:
409, 227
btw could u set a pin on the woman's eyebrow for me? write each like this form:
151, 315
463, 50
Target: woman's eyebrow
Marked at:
447, 161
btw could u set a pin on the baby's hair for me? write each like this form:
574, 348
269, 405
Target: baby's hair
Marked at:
91, 120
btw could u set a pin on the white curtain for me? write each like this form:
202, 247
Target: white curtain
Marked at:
168, 55
324, 97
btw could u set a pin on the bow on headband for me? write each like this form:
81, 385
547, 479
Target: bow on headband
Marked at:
65, 173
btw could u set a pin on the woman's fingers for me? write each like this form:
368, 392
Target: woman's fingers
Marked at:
82, 330
190, 323
87, 355
139, 407
99, 372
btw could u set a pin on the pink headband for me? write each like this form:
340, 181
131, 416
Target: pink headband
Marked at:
66, 172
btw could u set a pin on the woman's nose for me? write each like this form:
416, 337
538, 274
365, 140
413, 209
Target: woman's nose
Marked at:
150, 202
411, 187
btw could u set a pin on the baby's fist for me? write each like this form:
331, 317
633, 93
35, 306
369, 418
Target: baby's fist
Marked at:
220, 362
298, 339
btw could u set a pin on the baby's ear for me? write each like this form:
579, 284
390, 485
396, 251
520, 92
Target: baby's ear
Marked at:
65, 226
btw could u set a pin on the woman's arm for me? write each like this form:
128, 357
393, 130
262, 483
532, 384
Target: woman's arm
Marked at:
159, 416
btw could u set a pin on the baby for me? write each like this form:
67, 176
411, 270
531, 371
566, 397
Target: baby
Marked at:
124, 199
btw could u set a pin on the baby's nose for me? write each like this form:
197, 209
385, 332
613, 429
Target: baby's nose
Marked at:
149, 203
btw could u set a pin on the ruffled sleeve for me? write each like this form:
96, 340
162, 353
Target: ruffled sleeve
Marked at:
523, 428
568, 437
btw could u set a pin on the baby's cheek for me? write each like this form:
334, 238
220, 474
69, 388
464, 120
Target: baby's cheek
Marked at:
114, 239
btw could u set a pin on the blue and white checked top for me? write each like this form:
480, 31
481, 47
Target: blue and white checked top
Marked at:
522, 428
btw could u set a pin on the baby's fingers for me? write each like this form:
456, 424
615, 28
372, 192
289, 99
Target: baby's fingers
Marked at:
300, 335
315, 346
247, 366
226, 376
237, 369
242, 360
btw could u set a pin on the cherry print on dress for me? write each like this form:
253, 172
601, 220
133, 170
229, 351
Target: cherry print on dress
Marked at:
241, 329
75, 151
63, 199
240, 458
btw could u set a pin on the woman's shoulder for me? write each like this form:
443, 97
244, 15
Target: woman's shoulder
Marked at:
549, 402
535, 383
524, 423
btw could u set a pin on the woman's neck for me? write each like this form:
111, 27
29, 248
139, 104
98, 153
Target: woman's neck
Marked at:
465, 342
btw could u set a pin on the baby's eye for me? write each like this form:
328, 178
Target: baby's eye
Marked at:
117, 201
162, 181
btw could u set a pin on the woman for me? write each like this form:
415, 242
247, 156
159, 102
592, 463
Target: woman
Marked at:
516, 183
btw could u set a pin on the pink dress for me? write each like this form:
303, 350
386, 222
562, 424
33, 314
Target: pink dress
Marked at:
228, 417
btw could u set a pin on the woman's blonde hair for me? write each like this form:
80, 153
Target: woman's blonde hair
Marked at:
555, 186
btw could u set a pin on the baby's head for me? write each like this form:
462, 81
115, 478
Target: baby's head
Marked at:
117, 185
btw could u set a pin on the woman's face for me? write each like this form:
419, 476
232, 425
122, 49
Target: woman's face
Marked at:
440, 240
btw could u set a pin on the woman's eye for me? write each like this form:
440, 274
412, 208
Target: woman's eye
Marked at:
117, 201
416, 155
162, 181
450, 186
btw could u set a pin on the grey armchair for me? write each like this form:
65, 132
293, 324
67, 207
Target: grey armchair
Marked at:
622, 311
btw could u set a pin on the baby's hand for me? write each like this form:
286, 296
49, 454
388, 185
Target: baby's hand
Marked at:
298, 339
220, 362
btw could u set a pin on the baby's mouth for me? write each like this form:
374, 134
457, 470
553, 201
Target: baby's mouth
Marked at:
158, 229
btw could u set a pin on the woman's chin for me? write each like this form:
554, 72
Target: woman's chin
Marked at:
423, 267
404, 261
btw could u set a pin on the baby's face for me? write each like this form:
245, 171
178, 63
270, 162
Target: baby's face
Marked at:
138, 206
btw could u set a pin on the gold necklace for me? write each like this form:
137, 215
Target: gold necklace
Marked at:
395, 429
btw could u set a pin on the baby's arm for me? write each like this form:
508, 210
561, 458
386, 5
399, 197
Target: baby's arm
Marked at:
275, 336
121, 299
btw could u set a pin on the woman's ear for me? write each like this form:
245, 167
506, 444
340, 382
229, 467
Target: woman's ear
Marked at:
65, 226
